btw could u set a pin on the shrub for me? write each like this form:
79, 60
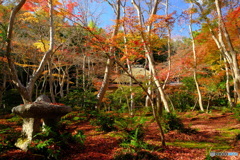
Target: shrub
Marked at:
182, 100
131, 131
105, 121
52, 144
171, 122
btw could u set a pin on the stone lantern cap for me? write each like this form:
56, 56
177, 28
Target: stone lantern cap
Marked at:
41, 108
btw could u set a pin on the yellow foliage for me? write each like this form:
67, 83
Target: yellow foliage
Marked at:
57, 3
26, 65
29, 17
57, 75
45, 72
43, 45
216, 67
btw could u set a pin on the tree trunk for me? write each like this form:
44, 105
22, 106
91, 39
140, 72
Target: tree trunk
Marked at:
130, 84
228, 52
77, 76
61, 83
105, 82
147, 101
148, 51
3, 87
51, 81
68, 81
26, 91
83, 74
228, 85
233, 53
195, 65
157, 119
157, 83
108, 68
149, 56
155, 113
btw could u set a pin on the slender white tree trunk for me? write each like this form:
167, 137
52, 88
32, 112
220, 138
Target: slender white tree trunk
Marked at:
229, 54
233, 53
148, 52
195, 65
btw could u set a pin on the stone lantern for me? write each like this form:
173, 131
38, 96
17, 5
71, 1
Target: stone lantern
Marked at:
32, 114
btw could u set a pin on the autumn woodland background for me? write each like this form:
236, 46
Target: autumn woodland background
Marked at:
139, 89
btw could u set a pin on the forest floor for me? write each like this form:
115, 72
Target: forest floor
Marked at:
215, 132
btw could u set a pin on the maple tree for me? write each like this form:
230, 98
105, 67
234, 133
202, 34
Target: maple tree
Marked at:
109, 64
26, 91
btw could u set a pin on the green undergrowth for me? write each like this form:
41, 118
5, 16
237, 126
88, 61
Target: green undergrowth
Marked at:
141, 155
15, 118
200, 145
236, 112
227, 134
105, 121
171, 121
52, 144
73, 117
8, 136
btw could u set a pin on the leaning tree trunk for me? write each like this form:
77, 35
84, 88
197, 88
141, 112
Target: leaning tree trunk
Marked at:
148, 52
233, 54
105, 82
149, 57
109, 64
